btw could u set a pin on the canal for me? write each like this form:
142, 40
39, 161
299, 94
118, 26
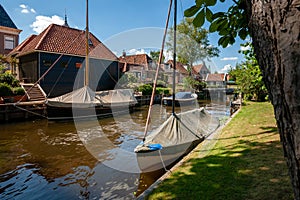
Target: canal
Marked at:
42, 159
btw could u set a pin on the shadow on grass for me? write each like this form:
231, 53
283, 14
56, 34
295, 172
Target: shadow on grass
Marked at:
246, 170
266, 130
269, 129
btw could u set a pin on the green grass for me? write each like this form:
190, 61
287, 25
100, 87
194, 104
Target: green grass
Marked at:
247, 162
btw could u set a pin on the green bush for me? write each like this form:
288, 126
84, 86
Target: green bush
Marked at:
18, 91
9, 79
146, 89
160, 90
5, 90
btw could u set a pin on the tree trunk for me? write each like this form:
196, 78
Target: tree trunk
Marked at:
275, 29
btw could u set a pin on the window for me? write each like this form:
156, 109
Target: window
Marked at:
9, 42
78, 65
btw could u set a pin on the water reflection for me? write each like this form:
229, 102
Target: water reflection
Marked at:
50, 160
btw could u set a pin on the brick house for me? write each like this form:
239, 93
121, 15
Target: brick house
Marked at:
141, 66
200, 71
9, 33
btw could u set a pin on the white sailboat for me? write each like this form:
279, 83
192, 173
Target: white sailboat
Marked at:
86, 103
178, 135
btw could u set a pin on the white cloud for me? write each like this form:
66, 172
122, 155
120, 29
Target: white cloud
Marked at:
26, 9
42, 22
137, 51
245, 48
23, 6
229, 58
226, 68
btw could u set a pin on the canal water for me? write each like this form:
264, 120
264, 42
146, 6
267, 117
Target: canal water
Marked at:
41, 159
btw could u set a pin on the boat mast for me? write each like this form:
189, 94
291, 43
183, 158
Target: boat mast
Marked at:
174, 56
157, 70
86, 74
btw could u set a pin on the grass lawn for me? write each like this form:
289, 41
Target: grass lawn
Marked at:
247, 162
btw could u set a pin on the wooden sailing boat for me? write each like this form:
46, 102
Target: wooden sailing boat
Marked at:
178, 134
86, 103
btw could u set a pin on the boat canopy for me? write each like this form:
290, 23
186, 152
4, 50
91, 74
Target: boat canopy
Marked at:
183, 95
181, 128
116, 97
85, 97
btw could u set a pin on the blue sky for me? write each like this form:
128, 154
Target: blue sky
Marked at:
131, 25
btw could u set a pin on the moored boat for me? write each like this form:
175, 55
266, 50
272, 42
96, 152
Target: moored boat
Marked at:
177, 136
181, 99
84, 103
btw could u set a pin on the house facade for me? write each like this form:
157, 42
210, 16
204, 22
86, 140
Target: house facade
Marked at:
56, 60
200, 71
217, 80
9, 33
180, 72
141, 66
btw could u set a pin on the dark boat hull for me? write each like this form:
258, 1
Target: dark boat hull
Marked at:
69, 113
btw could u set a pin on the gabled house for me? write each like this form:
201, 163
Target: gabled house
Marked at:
63, 49
141, 66
217, 80
9, 33
200, 71
181, 72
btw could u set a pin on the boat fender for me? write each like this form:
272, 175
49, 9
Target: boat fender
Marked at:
154, 147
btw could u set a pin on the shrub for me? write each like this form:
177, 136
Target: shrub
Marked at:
160, 90
5, 90
146, 89
19, 91
9, 79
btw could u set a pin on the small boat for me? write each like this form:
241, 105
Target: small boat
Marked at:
181, 99
85, 103
177, 136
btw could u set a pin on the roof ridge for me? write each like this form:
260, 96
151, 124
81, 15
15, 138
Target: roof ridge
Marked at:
116, 57
45, 32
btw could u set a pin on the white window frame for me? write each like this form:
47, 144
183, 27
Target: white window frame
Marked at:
9, 42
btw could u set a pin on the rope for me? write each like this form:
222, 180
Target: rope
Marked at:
59, 77
186, 126
157, 70
163, 163
26, 110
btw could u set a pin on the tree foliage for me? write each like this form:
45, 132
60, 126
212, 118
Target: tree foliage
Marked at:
229, 24
128, 80
155, 55
274, 27
248, 77
192, 43
197, 85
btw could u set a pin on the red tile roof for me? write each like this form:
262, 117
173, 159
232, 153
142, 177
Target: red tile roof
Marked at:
215, 77
64, 40
197, 68
140, 59
179, 67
